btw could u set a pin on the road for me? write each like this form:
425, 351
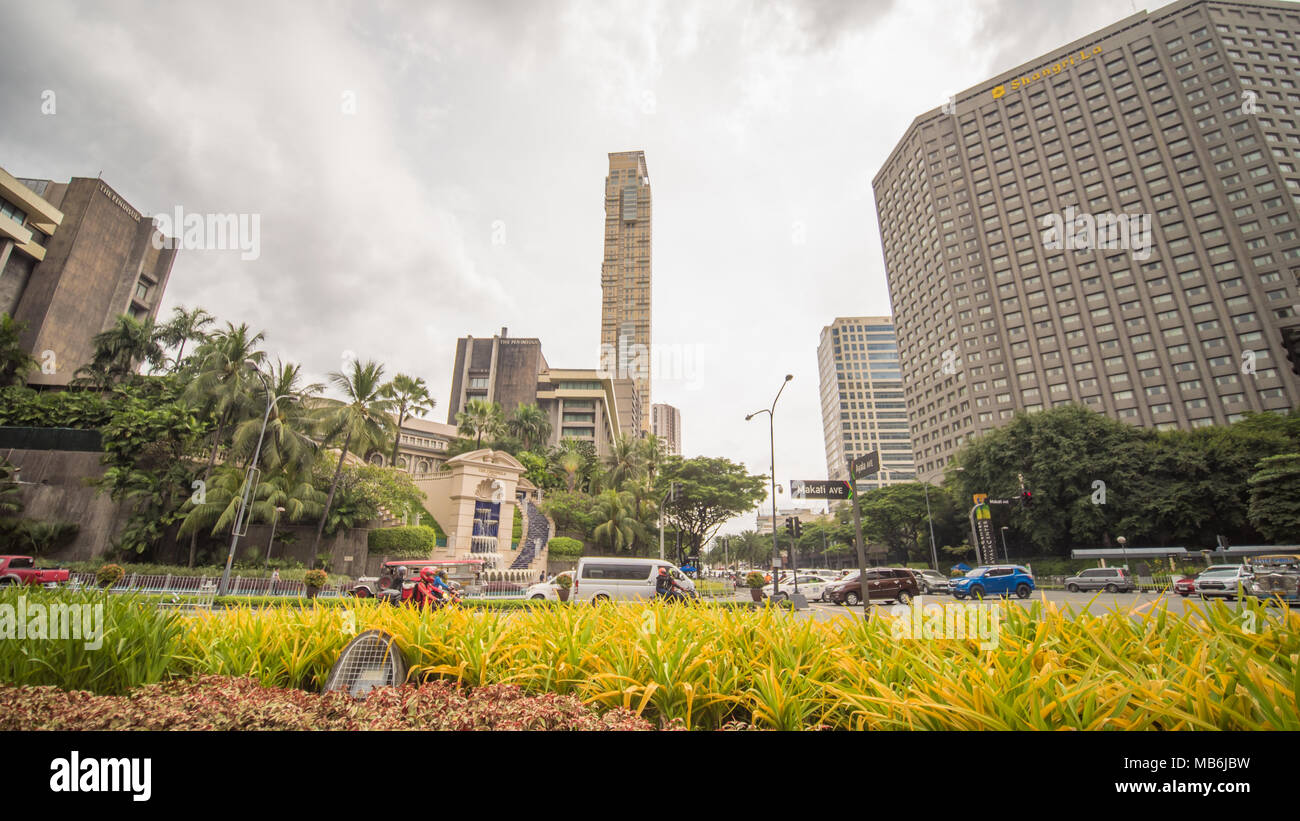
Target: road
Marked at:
1101, 602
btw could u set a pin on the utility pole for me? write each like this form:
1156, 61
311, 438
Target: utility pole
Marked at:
862, 553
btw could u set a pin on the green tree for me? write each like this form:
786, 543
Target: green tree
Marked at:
710, 492
652, 455
625, 462
572, 512
410, 397
616, 526
361, 421
1275, 498
15, 361
530, 425
286, 443
222, 384
184, 326
119, 351
480, 418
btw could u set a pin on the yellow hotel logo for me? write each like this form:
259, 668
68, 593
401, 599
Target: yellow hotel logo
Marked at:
1021, 82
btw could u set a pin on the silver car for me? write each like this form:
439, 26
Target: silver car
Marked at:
1110, 579
1223, 581
932, 581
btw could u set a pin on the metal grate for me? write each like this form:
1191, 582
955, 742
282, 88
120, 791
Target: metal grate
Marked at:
370, 660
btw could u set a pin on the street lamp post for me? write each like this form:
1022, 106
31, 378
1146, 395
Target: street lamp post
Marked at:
934, 555
1005, 553
271, 541
771, 435
271, 399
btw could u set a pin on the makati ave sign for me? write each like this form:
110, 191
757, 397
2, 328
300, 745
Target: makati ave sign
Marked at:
1045, 72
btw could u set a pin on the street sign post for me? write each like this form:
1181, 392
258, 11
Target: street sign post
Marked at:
861, 467
818, 489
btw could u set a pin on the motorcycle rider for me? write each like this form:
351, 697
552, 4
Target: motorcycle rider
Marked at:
426, 593
667, 587
393, 593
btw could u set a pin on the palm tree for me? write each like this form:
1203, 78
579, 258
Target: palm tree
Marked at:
617, 526
15, 361
410, 396
183, 327
480, 418
571, 463
119, 350
531, 425
286, 443
362, 420
624, 461
221, 386
652, 455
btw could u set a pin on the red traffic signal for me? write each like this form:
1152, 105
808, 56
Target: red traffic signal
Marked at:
1026, 498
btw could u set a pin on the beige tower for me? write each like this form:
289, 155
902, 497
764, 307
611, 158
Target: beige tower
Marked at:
625, 274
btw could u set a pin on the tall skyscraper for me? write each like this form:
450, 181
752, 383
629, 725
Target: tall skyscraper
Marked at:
666, 423
1113, 223
625, 273
862, 399
74, 256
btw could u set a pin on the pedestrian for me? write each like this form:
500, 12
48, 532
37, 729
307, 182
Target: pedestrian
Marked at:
541, 577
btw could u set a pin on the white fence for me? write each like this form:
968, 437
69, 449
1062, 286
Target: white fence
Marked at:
198, 585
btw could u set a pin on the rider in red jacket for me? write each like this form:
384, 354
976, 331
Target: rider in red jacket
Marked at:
426, 592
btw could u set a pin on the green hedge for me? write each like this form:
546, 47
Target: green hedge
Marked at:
564, 546
408, 542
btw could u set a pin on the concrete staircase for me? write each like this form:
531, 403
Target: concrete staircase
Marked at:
537, 533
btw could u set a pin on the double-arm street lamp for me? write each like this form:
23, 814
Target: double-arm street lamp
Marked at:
771, 435
271, 399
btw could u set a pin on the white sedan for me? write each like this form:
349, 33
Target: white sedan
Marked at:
812, 587
547, 589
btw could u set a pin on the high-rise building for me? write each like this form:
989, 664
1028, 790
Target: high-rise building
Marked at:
625, 273
862, 399
1113, 223
583, 403
666, 423
74, 257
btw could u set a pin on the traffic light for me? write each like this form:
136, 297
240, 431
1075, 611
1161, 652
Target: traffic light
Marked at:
1026, 498
790, 525
1291, 344
798, 528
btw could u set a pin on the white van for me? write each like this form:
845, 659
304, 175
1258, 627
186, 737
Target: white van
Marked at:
602, 579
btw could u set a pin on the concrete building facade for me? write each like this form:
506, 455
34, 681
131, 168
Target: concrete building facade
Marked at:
73, 257
863, 407
625, 273
666, 423
582, 403
1113, 223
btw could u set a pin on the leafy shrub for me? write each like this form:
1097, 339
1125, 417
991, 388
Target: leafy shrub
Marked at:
227, 703
315, 578
406, 542
564, 546
564, 580
109, 575
755, 580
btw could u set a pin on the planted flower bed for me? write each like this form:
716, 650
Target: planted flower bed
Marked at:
706, 666
226, 703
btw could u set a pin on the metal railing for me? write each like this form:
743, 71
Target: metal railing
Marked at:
196, 585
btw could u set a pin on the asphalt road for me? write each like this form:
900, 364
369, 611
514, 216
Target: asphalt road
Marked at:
1101, 602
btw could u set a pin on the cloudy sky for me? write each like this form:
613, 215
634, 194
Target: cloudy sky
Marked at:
423, 171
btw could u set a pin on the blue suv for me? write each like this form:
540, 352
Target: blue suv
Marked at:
994, 580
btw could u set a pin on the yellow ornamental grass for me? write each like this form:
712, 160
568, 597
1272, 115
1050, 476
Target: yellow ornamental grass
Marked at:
1049, 668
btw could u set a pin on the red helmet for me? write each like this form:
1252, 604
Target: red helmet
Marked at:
428, 574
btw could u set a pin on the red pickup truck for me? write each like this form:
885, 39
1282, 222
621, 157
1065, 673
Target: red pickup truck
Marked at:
23, 570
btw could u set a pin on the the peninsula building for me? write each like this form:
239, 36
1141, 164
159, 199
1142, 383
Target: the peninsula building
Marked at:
1113, 223
666, 423
583, 404
74, 256
862, 399
625, 274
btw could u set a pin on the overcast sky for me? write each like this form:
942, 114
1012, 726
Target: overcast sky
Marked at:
464, 191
